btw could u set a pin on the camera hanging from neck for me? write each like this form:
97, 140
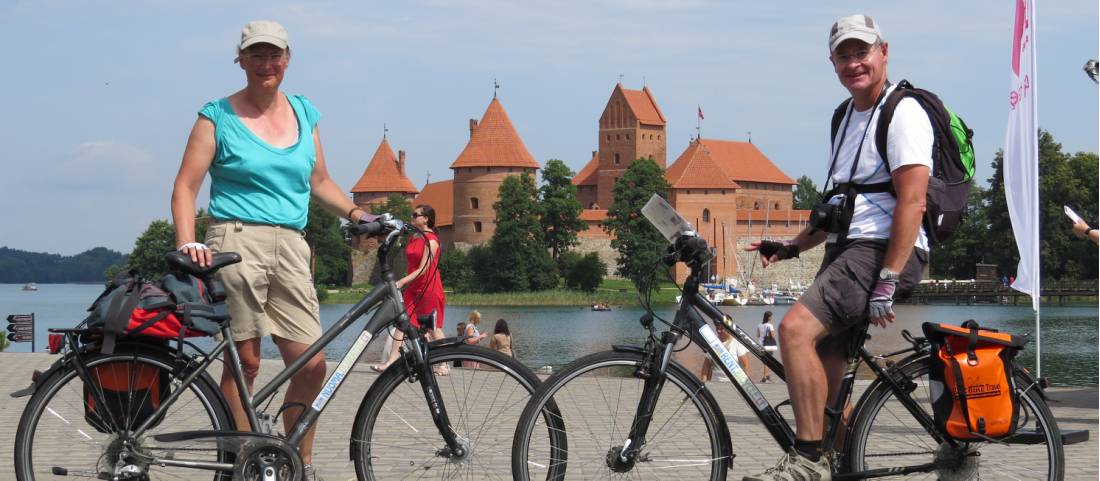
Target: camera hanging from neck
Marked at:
833, 218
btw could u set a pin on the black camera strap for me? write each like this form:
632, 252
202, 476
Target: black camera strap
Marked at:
850, 194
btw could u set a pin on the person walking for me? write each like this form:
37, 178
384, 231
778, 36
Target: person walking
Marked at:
262, 150
765, 335
875, 250
738, 350
422, 289
502, 338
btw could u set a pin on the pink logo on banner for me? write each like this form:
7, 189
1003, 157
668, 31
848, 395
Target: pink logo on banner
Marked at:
1018, 35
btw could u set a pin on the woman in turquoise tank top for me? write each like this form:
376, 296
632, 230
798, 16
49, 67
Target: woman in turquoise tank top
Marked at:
262, 149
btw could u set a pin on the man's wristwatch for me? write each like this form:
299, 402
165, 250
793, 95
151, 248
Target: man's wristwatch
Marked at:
887, 275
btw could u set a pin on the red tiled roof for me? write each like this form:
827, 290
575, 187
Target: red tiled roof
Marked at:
695, 169
643, 105
495, 143
383, 174
589, 175
593, 215
742, 161
439, 195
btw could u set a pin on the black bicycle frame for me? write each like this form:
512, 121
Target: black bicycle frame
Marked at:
388, 306
688, 320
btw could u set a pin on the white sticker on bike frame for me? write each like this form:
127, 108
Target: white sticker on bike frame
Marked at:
341, 371
732, 367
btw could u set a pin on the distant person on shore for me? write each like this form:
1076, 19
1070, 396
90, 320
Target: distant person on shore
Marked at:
1081, 229
502, 338
262, 149
765, 335
735, 348
422, 289
459, 332
473, 336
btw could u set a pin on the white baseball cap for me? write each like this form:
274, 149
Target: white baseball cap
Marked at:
263, 31
860, 27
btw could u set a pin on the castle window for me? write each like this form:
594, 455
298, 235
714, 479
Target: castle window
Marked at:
473, 202
627, 136
477, 226
706, 215
616, 136
608, 136
658, 136
616, 158
776, 206
756, 205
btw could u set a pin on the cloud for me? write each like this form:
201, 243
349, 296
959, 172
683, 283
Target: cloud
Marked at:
106, 165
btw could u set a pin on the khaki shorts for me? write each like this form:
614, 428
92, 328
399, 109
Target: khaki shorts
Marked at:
270, 292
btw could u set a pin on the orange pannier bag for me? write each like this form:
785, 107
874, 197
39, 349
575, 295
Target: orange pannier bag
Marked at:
971, 383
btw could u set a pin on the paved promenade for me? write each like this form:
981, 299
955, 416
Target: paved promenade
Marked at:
1075, 408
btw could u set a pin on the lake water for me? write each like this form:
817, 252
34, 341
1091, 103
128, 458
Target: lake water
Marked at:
554, 336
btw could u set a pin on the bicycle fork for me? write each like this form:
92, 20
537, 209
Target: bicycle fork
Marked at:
456, 448
622, 458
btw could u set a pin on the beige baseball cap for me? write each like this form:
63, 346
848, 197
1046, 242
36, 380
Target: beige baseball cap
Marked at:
263, 31
860, 27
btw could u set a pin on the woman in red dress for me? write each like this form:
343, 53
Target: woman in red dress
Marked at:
422, 289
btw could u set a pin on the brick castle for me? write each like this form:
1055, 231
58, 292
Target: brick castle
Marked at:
729, 190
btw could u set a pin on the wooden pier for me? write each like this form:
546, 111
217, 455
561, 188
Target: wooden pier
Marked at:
961, 292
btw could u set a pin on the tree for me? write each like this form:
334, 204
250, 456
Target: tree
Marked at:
560, 208
396, 205
956, 258
147, 257
805, 193
329, 252
582, 272
638, 243
519, 261
1063, 180
455, 271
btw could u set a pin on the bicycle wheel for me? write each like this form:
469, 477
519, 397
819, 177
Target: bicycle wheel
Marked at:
597, 397
394, 436
63, 434
884, 434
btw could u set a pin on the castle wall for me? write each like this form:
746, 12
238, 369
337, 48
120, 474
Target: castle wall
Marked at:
482, 184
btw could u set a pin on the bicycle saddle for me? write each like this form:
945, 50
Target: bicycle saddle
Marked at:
183, 262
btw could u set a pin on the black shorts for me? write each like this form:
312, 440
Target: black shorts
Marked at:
838, 296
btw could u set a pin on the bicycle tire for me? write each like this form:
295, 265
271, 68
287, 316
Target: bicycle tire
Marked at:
884, 429
601, 388
67, 440
394, 436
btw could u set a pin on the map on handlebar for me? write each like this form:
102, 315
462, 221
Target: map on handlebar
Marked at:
665, 218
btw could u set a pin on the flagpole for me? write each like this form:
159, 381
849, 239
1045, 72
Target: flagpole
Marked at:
1035, 232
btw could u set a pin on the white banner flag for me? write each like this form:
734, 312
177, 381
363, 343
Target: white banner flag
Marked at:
1021, 152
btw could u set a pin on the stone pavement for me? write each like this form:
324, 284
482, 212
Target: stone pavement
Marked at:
1075, 408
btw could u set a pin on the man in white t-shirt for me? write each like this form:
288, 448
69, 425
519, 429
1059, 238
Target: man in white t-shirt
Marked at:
879, 254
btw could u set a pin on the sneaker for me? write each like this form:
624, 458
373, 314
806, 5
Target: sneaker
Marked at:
793, 467
309, 473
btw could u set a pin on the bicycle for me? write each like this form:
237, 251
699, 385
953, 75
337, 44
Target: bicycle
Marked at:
672, 427
444, 427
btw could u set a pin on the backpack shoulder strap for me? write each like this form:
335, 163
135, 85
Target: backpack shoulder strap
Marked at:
904, 89
838, 116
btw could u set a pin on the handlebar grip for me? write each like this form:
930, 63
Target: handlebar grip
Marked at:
366, 228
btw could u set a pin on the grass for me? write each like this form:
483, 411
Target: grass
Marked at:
615, 292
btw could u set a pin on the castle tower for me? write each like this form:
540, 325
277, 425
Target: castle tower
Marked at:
384, 175
494, 152
631, 127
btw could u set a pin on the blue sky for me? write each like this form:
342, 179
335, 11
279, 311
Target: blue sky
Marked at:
101, 94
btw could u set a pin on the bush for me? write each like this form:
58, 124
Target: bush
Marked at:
455, 271
480, 266
584, 273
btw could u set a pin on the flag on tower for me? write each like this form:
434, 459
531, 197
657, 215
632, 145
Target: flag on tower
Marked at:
700, 112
